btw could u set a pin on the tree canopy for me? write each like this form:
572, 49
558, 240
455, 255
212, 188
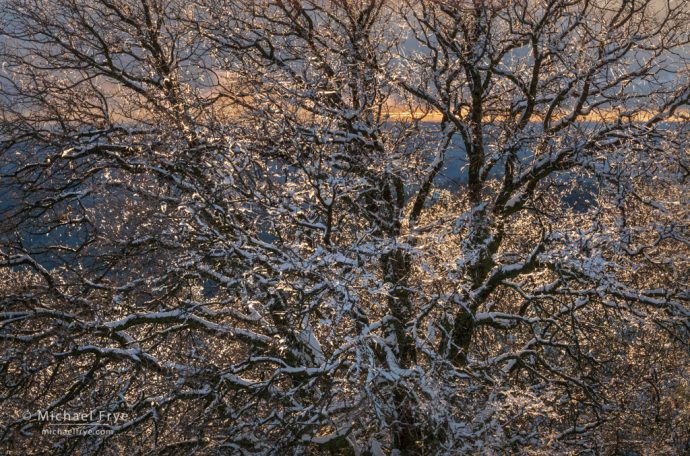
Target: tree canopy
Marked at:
345, 227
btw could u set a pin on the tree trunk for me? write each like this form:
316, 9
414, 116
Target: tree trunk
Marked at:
396, 268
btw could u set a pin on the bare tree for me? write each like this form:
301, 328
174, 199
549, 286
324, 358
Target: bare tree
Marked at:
229, 223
